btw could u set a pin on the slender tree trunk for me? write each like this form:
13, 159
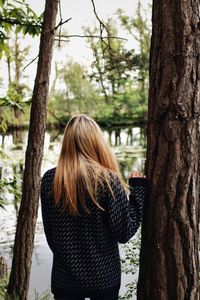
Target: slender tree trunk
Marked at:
24, 239
3, 268
169, 263
99, 70
9, 71
17, 60
17, 112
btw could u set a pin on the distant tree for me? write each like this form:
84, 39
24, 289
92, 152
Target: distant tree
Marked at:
17, 17
112, 62
169, 263
79, 88
114, 69
24, 238
139, 28
17, 89
72, 91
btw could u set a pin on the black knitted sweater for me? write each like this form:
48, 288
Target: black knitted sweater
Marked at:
86, 259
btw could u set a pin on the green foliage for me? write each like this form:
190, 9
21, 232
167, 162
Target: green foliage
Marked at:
130, 264
112, 62
44, 296
3, 202
81, 94
3, 128
15, 16
13, 100
114, 90
3, 289
9, 185
140, 30
120, 74
77, 85
18, 16
78, 94
125, 108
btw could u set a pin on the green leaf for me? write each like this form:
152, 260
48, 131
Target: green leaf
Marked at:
6, 50
3, 155
2, 2
3, 203
3, 128
18, 28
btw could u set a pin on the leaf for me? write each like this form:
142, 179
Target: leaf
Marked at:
3, 155
6, 50
10, 103
3, 203
3, 128
3, 101
28, 102
2, 2
18, 28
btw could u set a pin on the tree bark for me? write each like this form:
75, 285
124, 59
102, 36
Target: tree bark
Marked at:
17, 112
24, 239
169, 264
3, 268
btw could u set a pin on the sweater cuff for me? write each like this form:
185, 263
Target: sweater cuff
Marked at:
138, 181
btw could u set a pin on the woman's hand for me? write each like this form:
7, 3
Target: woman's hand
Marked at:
136, 174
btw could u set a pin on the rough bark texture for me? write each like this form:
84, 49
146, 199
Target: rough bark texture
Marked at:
169, 264
24, 239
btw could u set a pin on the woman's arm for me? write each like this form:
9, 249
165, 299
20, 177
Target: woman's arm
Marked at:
124, 216
138, 195
45, 207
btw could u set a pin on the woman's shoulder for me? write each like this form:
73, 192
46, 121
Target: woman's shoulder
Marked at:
48, 175
114, 177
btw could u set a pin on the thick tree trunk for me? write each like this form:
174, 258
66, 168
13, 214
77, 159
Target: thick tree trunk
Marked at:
169, 265
24, 239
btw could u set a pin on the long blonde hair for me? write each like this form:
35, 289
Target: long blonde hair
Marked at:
84, 163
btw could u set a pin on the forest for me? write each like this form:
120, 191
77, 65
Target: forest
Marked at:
140, 81
114, 82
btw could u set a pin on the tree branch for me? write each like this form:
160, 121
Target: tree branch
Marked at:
62, 22
30, 62
102, 25
90, 36
18, 22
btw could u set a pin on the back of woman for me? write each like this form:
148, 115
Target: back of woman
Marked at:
86, 213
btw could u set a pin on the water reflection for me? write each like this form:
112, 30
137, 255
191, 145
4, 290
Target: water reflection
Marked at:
129, 146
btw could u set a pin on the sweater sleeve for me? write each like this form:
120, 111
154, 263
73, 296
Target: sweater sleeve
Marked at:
46, 209
124, 216
138, 195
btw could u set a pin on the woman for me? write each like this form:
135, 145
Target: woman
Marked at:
86, 213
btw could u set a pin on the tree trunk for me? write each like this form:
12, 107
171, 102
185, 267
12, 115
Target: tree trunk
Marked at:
24, 239
169, 264
3, 268
17, 112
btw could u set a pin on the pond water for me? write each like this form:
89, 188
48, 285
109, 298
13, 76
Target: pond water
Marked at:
129, 146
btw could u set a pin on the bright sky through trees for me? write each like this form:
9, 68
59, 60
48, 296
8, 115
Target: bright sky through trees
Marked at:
82, 14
